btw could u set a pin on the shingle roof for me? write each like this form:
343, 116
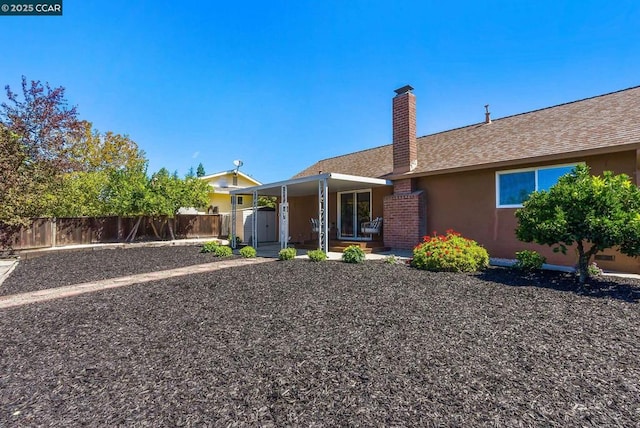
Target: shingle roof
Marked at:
608, 122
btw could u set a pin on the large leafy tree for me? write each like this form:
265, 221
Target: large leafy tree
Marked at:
37, 130
168, 193
95, 151
130, 192
96, 157
45, 125
22, 185
592, 212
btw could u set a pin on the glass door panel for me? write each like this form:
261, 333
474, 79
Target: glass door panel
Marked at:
355, 209
364, 211
346, 215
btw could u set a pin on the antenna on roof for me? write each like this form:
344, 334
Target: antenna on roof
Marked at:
487, 114
238, 163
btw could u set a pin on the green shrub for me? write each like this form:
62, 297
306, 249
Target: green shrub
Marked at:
353, 254
287, 254
248, 252
529, 260
594, 270
450, 253
223, 251
392, 260
209, 247
317, 255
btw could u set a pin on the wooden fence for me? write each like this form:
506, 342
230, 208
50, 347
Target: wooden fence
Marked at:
60, 232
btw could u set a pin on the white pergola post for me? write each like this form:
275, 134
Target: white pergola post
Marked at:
284, 217
254, 221
234, 207
323, 218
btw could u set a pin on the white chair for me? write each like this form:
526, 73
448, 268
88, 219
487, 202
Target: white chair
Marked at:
372, 227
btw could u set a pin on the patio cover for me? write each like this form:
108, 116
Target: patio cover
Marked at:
320, 184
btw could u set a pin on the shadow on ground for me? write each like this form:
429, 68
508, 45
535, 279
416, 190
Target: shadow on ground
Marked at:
624, 289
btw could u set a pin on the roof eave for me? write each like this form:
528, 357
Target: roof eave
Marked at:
519, 161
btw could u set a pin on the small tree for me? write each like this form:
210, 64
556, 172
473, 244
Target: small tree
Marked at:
200, 171
593, 212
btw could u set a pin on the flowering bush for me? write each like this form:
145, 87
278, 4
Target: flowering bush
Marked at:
451, 253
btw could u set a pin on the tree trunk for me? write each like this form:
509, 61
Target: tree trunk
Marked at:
153, 226
583, 263
173, 236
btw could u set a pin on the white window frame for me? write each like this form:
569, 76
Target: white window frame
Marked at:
535, 169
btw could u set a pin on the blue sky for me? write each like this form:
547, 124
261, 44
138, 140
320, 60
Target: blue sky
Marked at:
281, 84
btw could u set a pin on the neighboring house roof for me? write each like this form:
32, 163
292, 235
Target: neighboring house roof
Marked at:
222, 182
600, 124
210, 177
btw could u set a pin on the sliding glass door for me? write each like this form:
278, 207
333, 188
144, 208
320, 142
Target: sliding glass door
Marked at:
354, 208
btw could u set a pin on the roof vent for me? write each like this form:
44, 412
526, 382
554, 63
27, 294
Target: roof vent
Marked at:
487, 114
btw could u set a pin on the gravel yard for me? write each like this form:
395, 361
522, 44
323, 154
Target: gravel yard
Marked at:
318, 344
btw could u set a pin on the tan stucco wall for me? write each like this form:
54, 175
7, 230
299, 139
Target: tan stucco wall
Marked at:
466, 202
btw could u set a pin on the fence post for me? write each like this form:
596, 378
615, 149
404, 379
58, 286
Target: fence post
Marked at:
119, 237
54, 231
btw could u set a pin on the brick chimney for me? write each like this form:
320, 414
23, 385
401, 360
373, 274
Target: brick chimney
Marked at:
405, 152
404, 211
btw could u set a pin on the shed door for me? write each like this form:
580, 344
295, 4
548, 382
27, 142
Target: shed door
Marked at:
266, 226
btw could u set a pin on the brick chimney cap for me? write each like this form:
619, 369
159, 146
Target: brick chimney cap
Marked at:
404, 90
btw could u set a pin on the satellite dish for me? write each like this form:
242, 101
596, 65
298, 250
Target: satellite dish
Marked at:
237, 163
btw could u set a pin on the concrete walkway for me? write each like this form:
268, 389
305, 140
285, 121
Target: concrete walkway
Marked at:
88, 287
6, 267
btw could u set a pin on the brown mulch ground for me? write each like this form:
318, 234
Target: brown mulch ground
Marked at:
327, 344
60, 268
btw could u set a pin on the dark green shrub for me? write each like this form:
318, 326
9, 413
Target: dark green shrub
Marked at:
450, 253
209, 247
317, 255
287, 253
529, 260
353, 254
248, 252
223, 251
